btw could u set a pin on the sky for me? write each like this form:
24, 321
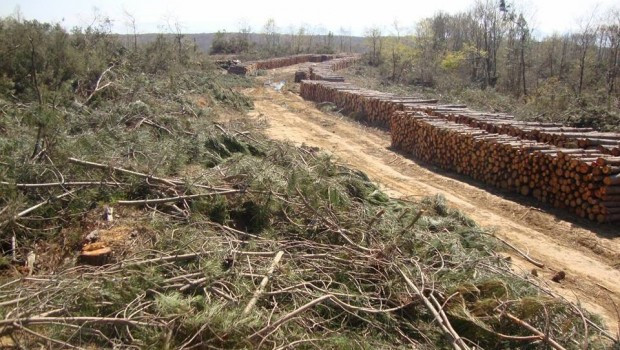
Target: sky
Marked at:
195, 16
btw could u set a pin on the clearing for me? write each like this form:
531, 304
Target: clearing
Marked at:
588, 253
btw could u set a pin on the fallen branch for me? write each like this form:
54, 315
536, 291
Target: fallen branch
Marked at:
457, 341
169, 182
126, 171
155, 125
61, 184
188, 256
415, 219
531, 328
174, 199
97, 87
35, 207
261, 287
268, 329
78, 319
51, 340
523, 254
179, 257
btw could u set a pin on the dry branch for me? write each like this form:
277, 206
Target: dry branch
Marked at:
78, 320
529, 327
457, 342
261, 287
174, 199
522, 253
270, 328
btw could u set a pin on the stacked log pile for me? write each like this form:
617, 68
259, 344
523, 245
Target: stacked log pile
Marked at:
585, 182
326, 70
553, 133
548, 161
253, 66
375, 107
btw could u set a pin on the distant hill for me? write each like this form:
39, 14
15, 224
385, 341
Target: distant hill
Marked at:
204, 40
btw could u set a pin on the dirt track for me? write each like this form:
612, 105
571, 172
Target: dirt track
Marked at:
588, 253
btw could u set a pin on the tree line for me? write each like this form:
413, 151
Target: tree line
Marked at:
271, 40
492, 47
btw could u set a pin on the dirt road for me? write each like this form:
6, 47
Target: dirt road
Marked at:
589, 254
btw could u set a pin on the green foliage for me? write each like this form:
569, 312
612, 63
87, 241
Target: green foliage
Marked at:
554, 101
453, 60
489, 59
40, 60
225, 43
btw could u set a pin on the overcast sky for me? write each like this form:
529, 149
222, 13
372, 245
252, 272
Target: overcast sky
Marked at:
197, 16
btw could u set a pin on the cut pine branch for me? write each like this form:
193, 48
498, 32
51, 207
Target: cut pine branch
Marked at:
174, 199
261, 287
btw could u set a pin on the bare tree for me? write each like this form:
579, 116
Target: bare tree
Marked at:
130, 22
270, 32
341, 35
488, 16
375, 40
611, 33
585, 37
243, 36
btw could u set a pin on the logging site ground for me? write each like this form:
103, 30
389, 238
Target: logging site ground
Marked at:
588, 253
281, 192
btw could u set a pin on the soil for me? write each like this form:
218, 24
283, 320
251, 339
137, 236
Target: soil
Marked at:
588, 253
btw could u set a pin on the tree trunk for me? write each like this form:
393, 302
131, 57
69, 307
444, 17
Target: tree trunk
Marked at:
523, 64
582, 62
563, 57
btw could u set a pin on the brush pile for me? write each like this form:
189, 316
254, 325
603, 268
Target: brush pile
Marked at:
273, 247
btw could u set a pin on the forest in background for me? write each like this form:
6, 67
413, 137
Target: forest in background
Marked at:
488, 57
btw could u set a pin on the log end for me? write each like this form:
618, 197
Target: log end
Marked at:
94, 254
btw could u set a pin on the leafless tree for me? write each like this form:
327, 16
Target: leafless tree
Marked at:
130, 22
375, 40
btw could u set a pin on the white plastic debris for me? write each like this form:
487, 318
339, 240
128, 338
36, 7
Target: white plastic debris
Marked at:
278, 86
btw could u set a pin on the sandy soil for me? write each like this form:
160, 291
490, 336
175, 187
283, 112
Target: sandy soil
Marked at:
588, 253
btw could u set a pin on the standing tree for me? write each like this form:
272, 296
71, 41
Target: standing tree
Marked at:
130, 22
272, 38
342, 34
243, 42
524, 34
488, 16
585, 39
374, 40
611, 34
